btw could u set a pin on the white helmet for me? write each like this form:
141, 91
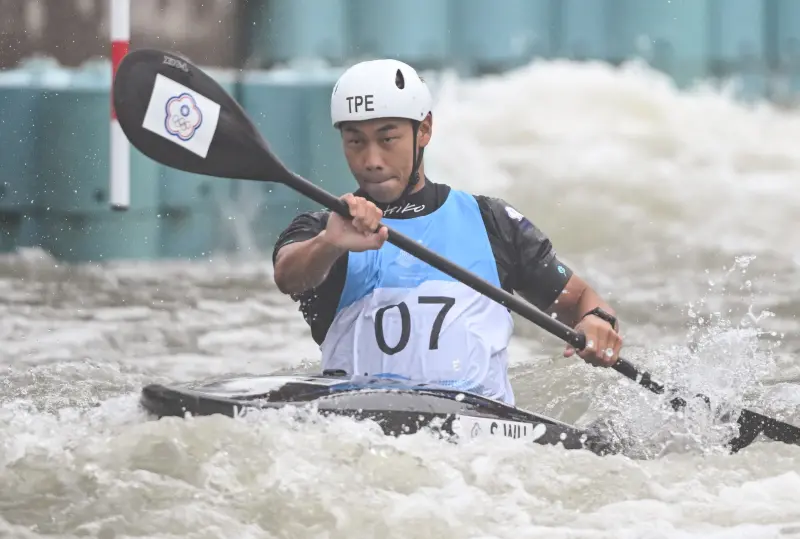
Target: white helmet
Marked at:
380, 89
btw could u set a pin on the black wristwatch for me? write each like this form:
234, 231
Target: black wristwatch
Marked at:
600, 313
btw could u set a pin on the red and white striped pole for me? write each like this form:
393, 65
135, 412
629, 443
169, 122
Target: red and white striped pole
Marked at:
120, 181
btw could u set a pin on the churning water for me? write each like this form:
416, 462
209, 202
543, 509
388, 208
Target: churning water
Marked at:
680, 207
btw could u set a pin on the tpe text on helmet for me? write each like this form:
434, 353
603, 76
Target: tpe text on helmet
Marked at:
354, 102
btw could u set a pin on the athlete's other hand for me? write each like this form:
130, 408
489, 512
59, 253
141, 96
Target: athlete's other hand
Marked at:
602, 342
359, 233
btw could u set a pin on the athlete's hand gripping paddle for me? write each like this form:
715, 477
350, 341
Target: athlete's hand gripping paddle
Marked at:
176, 114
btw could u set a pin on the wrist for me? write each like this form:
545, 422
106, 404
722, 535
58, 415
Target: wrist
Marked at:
606, 316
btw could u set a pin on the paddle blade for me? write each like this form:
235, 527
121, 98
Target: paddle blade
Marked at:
176, 114
751, 424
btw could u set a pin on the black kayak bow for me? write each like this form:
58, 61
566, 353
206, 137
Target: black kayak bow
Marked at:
177, 115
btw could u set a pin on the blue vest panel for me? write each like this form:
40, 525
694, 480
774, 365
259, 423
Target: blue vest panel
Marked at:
454, 231
400, 317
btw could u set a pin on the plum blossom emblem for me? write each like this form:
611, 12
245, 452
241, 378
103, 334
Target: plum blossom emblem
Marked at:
183, 116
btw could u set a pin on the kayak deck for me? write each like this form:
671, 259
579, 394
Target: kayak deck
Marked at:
398, 406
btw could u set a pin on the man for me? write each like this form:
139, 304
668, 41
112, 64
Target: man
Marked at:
376, 310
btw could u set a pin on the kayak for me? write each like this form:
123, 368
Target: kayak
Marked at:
398, 406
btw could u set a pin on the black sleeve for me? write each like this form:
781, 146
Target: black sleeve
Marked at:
525, 257
303, 227
318, 305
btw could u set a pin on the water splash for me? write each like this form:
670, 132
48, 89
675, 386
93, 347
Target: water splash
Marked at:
726, 357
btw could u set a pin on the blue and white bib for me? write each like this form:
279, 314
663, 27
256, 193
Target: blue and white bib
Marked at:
400, 316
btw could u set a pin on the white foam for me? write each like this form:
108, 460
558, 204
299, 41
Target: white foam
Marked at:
641, 186
566, 141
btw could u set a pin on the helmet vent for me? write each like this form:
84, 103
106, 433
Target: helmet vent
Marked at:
399, 80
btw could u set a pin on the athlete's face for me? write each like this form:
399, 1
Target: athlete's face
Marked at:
380, 154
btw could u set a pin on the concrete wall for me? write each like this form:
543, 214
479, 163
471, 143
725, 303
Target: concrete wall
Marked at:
54, 110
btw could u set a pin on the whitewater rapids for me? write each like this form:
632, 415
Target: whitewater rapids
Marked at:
678, 206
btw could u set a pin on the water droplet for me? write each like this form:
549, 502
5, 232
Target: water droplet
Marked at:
539, 431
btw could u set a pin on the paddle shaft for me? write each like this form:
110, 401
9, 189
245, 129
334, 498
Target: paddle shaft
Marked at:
751, 423
512, 302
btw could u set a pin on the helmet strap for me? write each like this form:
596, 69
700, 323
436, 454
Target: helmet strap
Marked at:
413, 179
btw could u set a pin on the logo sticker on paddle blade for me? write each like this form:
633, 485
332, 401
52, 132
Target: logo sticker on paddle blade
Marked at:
181, 115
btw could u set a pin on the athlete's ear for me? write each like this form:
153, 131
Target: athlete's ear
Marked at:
425, 131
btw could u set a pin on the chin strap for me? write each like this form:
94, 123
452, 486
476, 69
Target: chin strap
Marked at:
413, 179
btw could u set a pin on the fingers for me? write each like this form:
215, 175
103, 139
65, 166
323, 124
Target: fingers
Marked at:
366, 215
383, 234
600, 357
591, 352
380, 237
603, 345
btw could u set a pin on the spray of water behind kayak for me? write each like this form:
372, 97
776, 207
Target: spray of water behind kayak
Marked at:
674, 204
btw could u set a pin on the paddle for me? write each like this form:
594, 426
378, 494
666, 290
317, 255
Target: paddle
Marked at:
176, 114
